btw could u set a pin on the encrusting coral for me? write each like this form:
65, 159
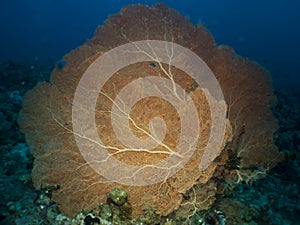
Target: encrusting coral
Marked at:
46, 117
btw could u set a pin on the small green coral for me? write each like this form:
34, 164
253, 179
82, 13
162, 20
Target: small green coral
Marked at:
105, 212
169, 222
149, 217
117, 196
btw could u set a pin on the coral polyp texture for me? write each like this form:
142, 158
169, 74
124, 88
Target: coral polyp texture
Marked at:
46, 118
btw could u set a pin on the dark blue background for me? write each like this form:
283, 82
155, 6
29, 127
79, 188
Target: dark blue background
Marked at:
268, 31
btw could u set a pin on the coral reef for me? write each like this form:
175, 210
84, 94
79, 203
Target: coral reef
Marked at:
273, 199
16, 190
46, 119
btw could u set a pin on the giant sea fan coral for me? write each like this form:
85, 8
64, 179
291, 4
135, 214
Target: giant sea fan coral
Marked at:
46, 117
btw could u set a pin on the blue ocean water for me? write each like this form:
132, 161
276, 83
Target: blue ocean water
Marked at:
36, 34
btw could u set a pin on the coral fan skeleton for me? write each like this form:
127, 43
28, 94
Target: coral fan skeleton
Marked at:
46, 119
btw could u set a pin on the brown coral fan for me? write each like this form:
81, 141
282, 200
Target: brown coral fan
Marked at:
46, 117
